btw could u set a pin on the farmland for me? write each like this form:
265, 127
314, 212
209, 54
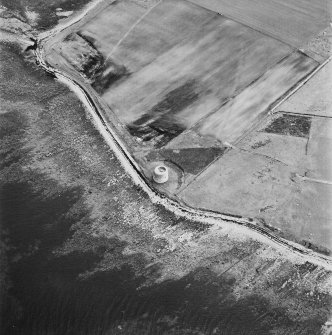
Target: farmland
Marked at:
291, 21
163, 74
190, 88
90, 244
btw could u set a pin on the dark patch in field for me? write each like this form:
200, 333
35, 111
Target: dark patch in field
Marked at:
291, 125
260, 144
159, 124
110, 73
91, 65
101, 72
93, 61
191, 160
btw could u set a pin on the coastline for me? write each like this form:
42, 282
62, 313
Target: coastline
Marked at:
133, 169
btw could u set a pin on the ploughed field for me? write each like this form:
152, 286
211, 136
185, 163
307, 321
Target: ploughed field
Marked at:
168, 66
190, 87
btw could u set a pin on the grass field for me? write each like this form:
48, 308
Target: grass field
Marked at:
262, 178
228, 123
184, 63
170, 65
292, 21
183, 80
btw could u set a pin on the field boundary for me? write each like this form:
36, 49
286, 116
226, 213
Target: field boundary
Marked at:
252, 228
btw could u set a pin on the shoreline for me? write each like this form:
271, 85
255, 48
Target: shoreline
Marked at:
132, 168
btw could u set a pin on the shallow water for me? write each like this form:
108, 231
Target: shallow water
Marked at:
47, 296
45, 291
